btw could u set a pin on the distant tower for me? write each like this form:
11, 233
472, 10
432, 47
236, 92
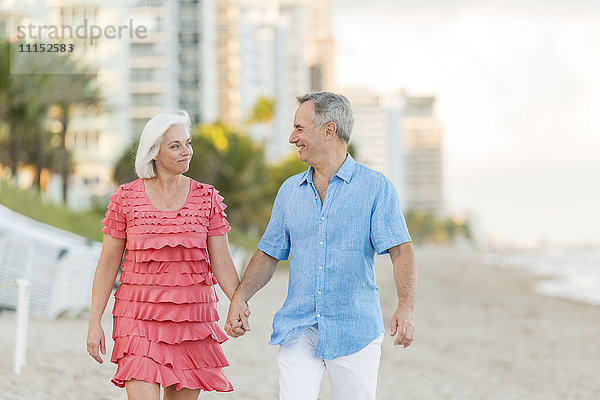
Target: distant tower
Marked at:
197, 36
273, 66
376, 137
369, 137
422, 143
153, 64
319, 44
228, 62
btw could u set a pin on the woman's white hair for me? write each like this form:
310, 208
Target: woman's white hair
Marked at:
152, 137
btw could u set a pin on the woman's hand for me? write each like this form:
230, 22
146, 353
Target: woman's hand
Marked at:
96, 341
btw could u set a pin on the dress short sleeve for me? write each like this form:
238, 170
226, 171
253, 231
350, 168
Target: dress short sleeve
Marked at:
217, 222
115, 224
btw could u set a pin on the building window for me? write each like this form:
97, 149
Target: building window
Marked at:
83, 140
150, 3
145, 99
91, 180
141, 49
143, 74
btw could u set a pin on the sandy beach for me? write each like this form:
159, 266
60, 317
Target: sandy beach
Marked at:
481, 333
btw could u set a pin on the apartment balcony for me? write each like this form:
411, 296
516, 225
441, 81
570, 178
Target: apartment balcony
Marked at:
156, 62
150, 87
146, 112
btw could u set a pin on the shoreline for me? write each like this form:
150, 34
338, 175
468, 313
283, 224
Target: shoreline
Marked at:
481, 333
570, 273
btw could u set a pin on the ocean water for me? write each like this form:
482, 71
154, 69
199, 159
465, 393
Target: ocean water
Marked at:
571, 273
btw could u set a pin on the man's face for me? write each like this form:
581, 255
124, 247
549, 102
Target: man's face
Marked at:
305, 137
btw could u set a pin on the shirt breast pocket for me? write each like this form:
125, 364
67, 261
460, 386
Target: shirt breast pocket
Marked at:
349, 233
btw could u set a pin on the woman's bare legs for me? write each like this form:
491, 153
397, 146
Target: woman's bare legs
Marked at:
181, 394
140, 390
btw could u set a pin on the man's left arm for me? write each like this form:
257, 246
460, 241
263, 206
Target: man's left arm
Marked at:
405, 276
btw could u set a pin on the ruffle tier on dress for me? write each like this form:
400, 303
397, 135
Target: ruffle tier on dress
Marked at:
165, 320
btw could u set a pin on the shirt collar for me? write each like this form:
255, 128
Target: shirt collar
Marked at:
344, 173
347, 169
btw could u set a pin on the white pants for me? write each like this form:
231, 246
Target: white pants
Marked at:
352, 377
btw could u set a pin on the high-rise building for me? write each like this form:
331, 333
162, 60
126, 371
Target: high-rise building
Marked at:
168, 67
400, 135
272, 67
319, 44
153, 63
213, 58
376, 136
172, 66
95, 135
369, 137
197, 59
422, 143
228, 62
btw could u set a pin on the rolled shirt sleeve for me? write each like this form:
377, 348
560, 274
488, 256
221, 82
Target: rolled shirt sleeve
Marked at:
388, 226
276, 239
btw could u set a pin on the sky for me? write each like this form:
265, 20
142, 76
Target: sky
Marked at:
518, 86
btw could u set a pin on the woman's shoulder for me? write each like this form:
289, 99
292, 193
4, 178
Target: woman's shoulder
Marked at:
201, 186
129, 187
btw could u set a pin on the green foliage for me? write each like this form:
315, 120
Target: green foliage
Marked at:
125, 167
427, 228
263, 110
287, 167
236, 166
31, 204
352, 150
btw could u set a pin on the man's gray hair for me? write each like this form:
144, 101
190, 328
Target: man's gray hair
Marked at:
331, 107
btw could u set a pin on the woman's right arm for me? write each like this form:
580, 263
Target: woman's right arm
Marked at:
104, 280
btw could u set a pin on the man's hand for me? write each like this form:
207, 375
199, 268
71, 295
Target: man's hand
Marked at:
237, 318
403, 324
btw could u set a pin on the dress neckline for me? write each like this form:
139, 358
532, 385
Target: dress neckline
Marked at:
187, 199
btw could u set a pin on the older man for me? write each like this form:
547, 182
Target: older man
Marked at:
331, 219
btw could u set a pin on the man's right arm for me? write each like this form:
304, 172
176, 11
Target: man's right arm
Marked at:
259, 272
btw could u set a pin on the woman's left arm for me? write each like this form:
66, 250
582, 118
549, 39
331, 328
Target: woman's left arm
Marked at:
222, 264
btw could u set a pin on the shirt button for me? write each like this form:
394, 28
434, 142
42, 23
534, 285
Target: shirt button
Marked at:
322, 218
319, 292
320, 267
320, 242
316, 197
318, 315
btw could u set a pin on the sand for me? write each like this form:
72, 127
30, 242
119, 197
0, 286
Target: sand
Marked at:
481, 333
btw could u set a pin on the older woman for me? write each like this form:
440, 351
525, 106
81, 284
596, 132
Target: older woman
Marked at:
174, 234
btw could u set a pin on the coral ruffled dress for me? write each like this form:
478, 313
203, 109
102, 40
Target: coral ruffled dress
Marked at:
165, 321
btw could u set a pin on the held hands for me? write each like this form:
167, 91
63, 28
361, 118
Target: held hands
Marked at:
237, 318
403, 324
95, 341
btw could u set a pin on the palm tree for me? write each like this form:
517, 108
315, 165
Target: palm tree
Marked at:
235, 165
21, 107
71, 91
60, 83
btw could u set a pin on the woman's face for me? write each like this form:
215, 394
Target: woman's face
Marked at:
175, 151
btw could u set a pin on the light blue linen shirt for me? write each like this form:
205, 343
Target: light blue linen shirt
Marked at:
332, 246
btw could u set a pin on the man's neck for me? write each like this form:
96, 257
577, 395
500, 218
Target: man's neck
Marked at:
329, 166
